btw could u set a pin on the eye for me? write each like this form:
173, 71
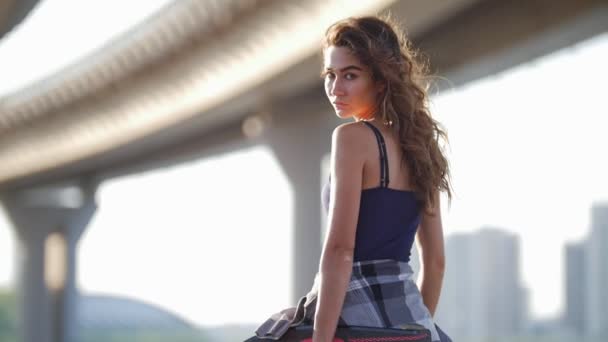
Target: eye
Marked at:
350, 76
329, 75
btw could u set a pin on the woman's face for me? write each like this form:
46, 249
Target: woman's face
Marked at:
348, 84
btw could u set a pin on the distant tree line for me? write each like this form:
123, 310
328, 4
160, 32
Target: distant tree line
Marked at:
8, 316
8, 328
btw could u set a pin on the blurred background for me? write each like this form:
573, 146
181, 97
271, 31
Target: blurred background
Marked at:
161, 164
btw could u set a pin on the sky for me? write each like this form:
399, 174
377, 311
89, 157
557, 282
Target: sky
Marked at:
527, 149
187, 238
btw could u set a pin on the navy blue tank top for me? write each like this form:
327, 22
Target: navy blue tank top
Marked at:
388, 218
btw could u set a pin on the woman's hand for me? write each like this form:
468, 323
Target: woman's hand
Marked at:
429, 240
336, 268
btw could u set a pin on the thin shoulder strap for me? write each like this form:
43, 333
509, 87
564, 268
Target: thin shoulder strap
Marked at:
383, 155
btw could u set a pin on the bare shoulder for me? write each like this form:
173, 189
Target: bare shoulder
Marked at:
348, 147
350, 133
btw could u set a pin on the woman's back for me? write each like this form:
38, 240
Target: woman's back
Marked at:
389, 213
400, 178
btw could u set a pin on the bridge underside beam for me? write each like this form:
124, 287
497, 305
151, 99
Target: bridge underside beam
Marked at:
495, 35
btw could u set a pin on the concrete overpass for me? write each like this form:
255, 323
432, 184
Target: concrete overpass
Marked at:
158, 96
13, 12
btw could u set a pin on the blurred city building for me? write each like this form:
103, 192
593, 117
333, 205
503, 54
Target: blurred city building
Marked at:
596, 267
586, 269
483, 296
576, 279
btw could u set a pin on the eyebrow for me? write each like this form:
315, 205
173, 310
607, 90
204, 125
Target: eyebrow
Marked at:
350, 67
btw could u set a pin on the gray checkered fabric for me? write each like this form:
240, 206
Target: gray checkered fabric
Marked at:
381, 293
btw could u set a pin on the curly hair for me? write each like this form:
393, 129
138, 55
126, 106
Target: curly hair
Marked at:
381, 46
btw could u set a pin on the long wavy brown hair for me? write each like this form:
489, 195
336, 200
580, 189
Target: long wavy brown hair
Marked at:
383, 47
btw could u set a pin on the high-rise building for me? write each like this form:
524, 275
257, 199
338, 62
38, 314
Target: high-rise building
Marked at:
575, 312
596, 304
482, 294
500, 282
455, 310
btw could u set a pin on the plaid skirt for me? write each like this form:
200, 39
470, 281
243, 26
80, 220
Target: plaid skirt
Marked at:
381, 293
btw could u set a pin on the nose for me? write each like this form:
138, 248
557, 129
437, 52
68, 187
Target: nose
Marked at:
337, 88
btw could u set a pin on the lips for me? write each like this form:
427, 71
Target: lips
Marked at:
338, 104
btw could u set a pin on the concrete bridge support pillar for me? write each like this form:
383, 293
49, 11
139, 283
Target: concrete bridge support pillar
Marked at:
300, 145
49, 223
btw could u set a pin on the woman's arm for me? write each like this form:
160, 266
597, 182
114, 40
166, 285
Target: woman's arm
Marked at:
429, 240
337, 257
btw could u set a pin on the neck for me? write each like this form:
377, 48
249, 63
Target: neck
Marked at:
370, 116
385, 123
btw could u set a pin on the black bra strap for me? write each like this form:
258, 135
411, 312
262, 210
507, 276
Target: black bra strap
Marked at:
383, 155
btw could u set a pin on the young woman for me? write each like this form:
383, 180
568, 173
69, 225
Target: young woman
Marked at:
387, 170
